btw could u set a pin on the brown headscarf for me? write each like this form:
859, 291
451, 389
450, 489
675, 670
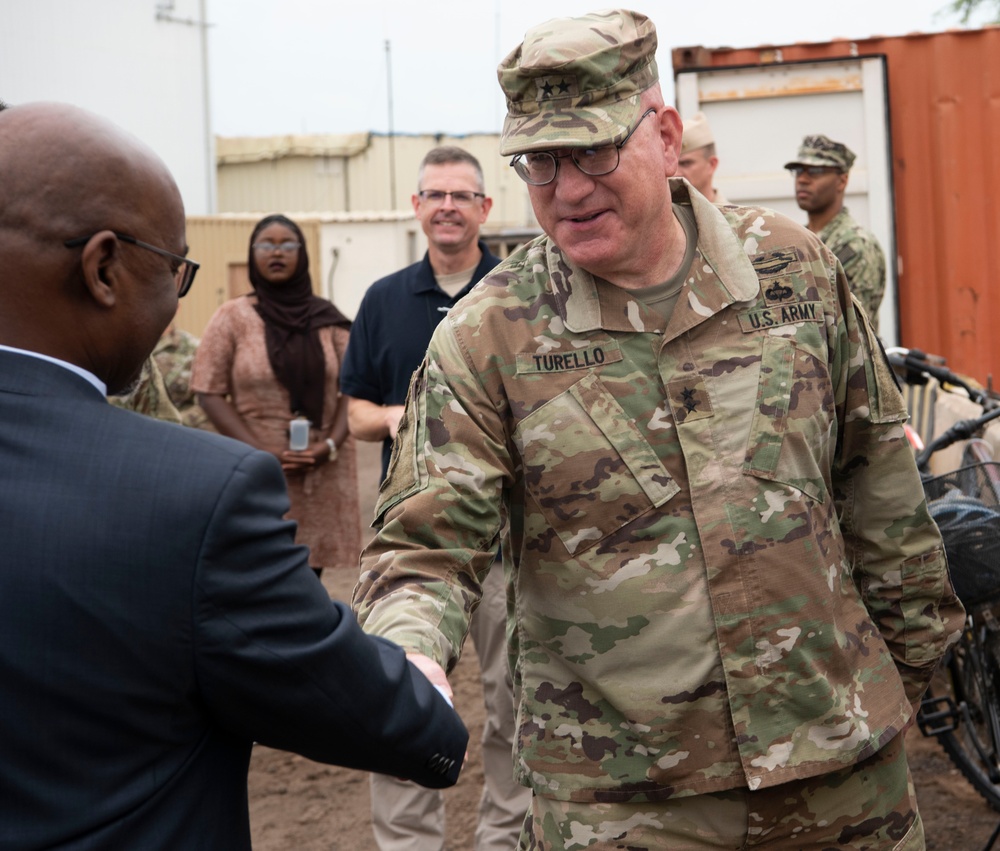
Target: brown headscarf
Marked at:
292, 316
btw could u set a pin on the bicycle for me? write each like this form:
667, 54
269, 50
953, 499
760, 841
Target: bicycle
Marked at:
962, 707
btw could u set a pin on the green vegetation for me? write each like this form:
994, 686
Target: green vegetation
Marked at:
965, 9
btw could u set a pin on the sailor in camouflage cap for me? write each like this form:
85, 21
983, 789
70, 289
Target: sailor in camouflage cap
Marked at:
725, 594
821, 175
822, 151
577, 81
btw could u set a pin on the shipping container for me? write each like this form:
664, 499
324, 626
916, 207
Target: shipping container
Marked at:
927, 180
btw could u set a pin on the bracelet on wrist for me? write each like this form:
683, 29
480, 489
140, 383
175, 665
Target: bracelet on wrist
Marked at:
332, 446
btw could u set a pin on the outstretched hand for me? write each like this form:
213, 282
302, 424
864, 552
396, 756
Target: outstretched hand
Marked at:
438, 678
434, 672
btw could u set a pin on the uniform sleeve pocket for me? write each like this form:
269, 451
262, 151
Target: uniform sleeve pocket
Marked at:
925, 588
790, 435
887, 402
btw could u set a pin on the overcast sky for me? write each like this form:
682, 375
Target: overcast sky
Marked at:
316, 66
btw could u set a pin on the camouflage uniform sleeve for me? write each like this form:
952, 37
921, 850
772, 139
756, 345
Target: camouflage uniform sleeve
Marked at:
864, 265
438, 515
894, 546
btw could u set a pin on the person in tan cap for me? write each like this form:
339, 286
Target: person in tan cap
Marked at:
699, 160
725, 595
821, 170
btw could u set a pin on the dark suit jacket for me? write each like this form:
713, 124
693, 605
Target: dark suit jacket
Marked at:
156, 618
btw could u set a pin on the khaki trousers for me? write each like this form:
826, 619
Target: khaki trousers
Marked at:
408, 817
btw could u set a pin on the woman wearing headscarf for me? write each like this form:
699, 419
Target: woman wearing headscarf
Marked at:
271, 357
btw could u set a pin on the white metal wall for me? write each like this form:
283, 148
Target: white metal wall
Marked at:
140, 63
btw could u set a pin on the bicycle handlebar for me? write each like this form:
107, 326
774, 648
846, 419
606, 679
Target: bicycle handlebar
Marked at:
962, 430
916, 363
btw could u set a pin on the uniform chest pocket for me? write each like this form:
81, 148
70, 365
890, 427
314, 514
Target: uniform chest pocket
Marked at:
587, 468
792, 431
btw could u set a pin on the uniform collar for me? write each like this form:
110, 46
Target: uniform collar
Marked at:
833, 224
587, 303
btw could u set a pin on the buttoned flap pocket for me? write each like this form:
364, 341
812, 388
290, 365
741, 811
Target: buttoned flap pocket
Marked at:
791, 433
587, 467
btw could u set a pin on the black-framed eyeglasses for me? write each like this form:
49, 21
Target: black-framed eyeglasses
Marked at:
814, 170
183, 274
539, 168
267, 247
461, 198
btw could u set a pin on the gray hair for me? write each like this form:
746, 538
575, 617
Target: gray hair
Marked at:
446, 154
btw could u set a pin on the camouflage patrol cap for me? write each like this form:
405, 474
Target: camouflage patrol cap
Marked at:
697, 133
576, 82
821, 150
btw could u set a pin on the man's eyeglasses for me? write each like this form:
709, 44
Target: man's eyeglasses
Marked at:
462, 198
813, 170
266, 247
183, 274
540, 167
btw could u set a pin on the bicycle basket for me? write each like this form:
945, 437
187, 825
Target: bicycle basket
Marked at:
965, 504
980, 481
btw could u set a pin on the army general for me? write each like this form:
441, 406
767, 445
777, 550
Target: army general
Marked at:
725, 594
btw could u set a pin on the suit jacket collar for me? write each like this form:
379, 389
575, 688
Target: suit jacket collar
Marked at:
32, 376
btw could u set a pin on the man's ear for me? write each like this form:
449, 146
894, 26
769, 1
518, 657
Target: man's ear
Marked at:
671, 129
102, 267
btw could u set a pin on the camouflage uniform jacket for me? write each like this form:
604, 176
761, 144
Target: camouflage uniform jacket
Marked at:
861, 256
149, 396
721, 570
174, 355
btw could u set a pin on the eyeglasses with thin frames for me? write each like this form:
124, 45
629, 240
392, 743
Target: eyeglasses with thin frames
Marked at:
183, 274
539, 168
268, 247
814, 170
461, 198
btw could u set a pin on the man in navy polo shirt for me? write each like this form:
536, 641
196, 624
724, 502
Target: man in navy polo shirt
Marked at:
389, 336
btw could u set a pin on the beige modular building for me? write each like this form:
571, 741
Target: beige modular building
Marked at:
347, 173
347, 252
350, 194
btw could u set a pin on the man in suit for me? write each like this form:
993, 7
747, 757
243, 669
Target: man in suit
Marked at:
156, 617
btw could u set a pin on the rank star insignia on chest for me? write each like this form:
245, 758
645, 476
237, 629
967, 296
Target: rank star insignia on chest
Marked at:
689, 399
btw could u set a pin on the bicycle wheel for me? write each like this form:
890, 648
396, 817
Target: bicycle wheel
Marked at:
973, 742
